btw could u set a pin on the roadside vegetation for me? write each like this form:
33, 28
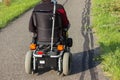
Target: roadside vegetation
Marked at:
106, 21
10, 9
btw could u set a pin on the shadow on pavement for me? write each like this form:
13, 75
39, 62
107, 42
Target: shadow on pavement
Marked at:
41, 71
83, 61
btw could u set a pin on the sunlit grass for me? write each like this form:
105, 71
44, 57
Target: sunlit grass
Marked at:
106, 21
16, 8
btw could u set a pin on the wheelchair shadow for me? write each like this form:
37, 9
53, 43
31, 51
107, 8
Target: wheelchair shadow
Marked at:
42, 71
83, 61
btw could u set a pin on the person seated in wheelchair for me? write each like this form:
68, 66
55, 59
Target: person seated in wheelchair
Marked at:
40, 23
50, 47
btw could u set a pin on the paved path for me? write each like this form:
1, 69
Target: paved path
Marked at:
15, 40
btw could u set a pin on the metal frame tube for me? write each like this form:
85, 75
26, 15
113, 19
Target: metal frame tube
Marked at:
53, 23
52, 56
34, 63
57, 56
59, 64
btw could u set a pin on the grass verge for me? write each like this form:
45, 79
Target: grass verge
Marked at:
16, 8
106, 21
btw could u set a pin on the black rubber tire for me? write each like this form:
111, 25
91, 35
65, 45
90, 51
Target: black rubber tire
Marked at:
69, 42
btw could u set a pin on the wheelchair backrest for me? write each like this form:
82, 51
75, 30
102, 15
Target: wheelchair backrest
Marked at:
43, 21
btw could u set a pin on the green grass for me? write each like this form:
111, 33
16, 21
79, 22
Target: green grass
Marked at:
16, 8
106, 21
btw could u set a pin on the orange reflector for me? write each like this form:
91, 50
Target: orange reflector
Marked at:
32, 46
60, 47
40, 52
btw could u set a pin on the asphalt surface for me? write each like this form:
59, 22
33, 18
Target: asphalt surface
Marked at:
15, 40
